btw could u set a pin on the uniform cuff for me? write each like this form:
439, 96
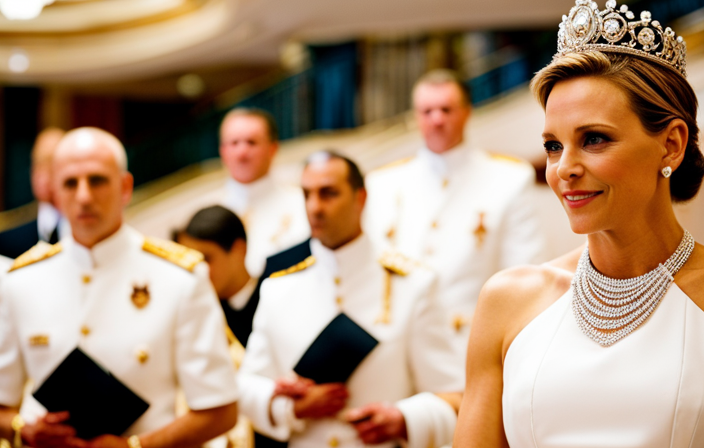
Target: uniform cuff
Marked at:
430, 421
256, 402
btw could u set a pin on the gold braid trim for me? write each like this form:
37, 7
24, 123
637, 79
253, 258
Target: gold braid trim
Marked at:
385, 316
393, 263
41, 251
506, 158
295, 268
394, 164
175, 253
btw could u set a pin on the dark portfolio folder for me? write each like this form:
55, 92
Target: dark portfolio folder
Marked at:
336, 352
98, 402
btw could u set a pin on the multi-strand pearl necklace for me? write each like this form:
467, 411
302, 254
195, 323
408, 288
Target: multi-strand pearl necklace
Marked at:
607, 310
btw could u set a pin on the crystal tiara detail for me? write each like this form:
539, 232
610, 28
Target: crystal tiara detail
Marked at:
616, 31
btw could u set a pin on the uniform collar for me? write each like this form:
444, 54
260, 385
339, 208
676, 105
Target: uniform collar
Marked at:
444, 165
48, 218
241, 297
239, 197
343, 261
105, 252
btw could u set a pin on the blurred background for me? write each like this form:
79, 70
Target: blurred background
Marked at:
160, 74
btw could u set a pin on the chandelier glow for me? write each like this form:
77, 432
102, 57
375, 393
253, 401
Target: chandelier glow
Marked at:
616, 30
23, 9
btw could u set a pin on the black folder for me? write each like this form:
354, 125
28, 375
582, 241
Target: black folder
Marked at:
336, 352
98, 402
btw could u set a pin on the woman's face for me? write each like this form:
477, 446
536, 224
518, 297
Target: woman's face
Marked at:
602, 164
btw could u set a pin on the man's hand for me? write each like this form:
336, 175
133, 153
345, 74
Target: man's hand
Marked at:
321, 400
378, 423
292, 388
51, 432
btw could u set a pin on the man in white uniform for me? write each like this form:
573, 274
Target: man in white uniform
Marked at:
142, 309
391, 396
273, 214
5, 264
465, 213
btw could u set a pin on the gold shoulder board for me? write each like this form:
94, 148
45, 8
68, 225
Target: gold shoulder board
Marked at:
397, 263
394, 164
506, 158
41, 251
295, 268
175, 253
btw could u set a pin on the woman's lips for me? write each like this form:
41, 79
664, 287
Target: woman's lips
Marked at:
580, 198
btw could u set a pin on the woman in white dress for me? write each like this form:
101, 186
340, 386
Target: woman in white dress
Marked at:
603, 347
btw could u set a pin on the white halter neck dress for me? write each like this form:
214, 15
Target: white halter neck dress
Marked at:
561, 389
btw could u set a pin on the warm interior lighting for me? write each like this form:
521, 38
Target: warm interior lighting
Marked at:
23, 9
18, 61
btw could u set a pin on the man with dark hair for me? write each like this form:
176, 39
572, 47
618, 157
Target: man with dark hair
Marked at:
219, 235
405, 390
466, 213
273, 214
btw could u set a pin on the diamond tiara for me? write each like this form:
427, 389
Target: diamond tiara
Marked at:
616, 31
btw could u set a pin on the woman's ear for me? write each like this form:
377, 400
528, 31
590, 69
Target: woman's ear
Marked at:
676, 138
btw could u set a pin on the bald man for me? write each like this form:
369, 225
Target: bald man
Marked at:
48, 225
143, 309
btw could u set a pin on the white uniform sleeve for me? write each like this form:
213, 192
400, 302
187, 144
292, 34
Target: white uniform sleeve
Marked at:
204, 368
436, 367
12, 373
523, 238
257, 381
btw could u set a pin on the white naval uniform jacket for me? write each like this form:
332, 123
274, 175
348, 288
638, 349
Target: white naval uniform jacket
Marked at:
5, 264
413, 358
464, 213
274, 217
83, 297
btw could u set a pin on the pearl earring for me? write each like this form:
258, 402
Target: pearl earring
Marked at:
667, 172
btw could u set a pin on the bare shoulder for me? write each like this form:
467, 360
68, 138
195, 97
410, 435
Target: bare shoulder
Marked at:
514, 297
690, 278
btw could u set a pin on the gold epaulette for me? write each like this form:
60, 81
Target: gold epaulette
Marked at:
41, 251
295, 268
175, 253
394, 164
506, 158
397, 263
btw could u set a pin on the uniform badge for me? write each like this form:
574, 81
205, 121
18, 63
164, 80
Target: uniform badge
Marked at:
140, 296
39, 340
480, 231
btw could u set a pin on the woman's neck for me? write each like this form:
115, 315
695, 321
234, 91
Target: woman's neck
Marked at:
637, 248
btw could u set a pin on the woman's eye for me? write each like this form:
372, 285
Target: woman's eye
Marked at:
552, 146
594, 139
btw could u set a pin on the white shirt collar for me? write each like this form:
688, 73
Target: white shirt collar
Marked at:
48, 218
241, 297
239, 197
343, 261
447, 163
109, 250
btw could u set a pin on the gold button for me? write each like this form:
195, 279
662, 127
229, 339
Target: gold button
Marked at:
85, 331
333, 442
337, 280
434, 225
445, 183
142, 356
86, 279
339, 301
459, 321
